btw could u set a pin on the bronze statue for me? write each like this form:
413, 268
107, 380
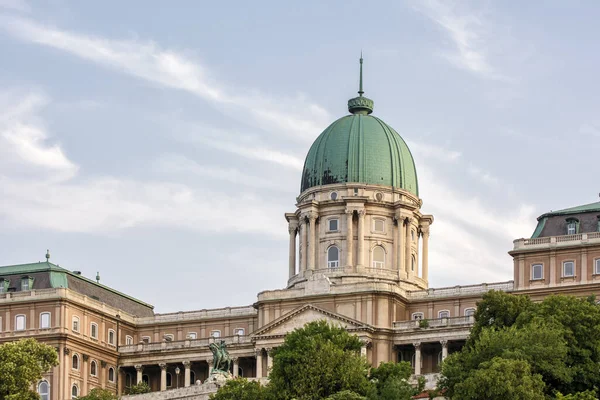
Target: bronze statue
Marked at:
221, 359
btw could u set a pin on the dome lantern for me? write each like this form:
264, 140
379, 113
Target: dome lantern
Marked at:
360, 105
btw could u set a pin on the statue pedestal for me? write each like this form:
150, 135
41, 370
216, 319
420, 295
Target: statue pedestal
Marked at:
218, 378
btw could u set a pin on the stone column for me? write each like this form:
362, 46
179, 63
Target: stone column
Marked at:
84, 372
584, 264
552, 268
408, 249
163, 376
349, 237
312, 219
269, 360
304, 244
236, 367
103, 374
187, 374
444, 349
364, 347
425, 256
417, 358
360, 262
259, 373
66, 369
138, 369
395, 233
401, 246
292, 229
210, 362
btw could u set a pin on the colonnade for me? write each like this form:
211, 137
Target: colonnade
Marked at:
419, 359
402, 233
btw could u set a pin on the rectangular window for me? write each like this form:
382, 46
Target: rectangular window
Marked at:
568, 268
417, 315
44, 320
128, 340
537, 271
25, 284
75, 324
215, 334
146, 339
597, 267
239, 332
192, 335
571, 228
378, 225
111, 337
20, 324
333, 225
169, 337
94, 331
444, 314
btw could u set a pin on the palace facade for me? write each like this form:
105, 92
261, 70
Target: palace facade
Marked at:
358, 257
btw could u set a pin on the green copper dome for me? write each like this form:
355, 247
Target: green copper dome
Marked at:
360, 148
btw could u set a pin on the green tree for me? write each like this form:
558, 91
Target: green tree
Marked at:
240, 389
587, 395
22, 364
501, 379
139, 388
390, 382
99, 394
317, 361
346, 395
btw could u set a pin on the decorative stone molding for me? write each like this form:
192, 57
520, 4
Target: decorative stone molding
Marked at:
417, 345
66, 351
187, 364
103, 364
444, 343
139, 367
163, 366
258, 352
86, 357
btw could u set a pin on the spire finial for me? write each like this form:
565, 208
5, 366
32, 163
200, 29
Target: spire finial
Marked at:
360, 87
47, 255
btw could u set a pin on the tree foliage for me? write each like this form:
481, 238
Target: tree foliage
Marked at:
240, 389
558, 339
346, 395
139, 388
99, 394
22, 364
390, 382
317, 361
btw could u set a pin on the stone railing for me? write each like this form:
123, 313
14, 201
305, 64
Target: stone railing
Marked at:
227, 312
556, 241
182, 344
434, 323
460, 290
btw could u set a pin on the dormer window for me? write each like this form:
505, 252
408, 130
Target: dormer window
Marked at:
572, 226
4, 284
26, 283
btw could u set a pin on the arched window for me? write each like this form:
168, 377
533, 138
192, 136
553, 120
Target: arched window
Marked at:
111, 374
444, 314
240, 372
111, 337
94, 330
20, 323
469, 312
169, 379
128, 380
128, 340
94, 368
145, 379
192, 377
45, 320
75, 324
417, 316
333, 257
43, 390
378, 257
413, 263
74, 391
215, 334
75, 363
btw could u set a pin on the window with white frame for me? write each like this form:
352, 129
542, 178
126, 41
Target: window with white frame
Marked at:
111, 337
43, 390
444, 314
4, 284
94, 368
169, 337
192, 335
333, 257
537, 271
469, 312
418, 316
239, 331
378, 257
128, 340
571, 227
26, 283
94, 330
215, 333
45, 320
146, 339
20, 323
333, 225
111, 374
597, 266
75, 324
568, 268
75, 362
378, 225
74, 391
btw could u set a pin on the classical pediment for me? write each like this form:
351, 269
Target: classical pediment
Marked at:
305, 314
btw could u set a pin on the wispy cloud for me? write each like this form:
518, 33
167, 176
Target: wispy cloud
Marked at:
427, 151
171, 69
15, 5
467, 30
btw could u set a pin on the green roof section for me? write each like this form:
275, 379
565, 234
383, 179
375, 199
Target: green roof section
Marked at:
360, 148
539, 228
591, 207
58, 277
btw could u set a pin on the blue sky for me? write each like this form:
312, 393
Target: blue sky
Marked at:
160, 143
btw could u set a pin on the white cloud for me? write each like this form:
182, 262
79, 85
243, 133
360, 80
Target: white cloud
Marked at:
15, 5
483, 176
467, 30
170, 69
428, 151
